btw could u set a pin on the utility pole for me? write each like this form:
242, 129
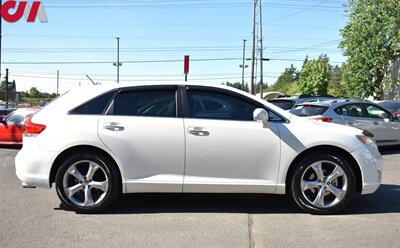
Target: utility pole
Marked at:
253, 56
58, 80
243, 64
261, 53
6, 88
118, 64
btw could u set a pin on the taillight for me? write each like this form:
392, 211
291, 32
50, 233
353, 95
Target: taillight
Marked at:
396, 114
31, 128
323, 119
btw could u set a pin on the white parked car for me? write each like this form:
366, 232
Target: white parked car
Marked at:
98, 142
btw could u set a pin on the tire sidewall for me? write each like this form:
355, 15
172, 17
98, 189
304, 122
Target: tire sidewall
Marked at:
297, 193
113, 181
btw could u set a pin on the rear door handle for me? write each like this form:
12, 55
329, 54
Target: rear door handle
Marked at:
350, 122
114, 126
198, 131
376, 123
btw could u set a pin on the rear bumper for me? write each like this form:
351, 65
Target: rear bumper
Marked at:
371, 163
33, 164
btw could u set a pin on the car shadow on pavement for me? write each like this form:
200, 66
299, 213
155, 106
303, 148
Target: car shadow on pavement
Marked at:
385, 200
11, 147
389, 150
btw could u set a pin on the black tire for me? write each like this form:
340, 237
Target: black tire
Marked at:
303, 165
108, 167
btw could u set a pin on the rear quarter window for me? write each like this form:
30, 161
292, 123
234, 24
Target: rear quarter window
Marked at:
308, 110
96, 106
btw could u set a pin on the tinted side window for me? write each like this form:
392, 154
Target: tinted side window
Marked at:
213, 105
354, 110
156, 103
95, 106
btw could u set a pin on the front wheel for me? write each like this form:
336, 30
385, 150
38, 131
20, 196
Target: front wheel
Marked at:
323, 184
87, 182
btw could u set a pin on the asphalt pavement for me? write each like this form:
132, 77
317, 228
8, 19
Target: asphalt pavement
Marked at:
34, 218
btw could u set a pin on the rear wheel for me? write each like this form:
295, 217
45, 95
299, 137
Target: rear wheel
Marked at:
88, 182
323, 184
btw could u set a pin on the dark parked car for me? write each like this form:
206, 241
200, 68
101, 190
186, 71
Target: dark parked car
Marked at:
392, 106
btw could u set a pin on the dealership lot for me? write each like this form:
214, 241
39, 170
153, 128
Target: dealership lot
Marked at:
34, 218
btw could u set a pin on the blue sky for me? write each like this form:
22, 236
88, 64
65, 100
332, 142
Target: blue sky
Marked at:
85, 30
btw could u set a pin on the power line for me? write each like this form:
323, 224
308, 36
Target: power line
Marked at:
141, 61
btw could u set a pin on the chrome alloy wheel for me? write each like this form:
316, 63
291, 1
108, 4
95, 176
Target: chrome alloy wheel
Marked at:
85, 183
324, 184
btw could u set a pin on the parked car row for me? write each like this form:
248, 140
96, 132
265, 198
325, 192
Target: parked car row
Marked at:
288, 102
382, 119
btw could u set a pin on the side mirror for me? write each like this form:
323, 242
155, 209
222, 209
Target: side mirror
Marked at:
261, 115
3, 121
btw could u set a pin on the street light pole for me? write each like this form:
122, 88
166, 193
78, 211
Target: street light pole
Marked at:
6, 88
118, 64
254, 47
243, 64
261, 54
58, 80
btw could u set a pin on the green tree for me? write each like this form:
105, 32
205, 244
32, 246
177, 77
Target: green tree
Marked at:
236, 85
34, 93
314, 76
286, 81
335, 87
371, 41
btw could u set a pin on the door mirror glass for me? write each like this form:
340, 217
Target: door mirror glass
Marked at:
261, 115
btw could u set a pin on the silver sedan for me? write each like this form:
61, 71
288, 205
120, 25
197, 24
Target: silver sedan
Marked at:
361, 114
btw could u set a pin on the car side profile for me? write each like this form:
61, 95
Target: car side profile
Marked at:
97, 142
361, 114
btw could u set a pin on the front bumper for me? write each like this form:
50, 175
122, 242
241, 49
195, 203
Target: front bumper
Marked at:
33, 165
371, 165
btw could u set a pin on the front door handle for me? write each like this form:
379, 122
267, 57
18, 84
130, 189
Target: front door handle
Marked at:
198, 131
113, 126
376, 123
350, 122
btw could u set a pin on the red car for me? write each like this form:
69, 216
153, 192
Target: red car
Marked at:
11, 126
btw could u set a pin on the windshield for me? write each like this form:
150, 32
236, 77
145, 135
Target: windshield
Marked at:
308, 110
19, 115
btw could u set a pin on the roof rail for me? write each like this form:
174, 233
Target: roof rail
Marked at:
283, 96
309, 96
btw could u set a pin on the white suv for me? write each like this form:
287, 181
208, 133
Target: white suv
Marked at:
97, 142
